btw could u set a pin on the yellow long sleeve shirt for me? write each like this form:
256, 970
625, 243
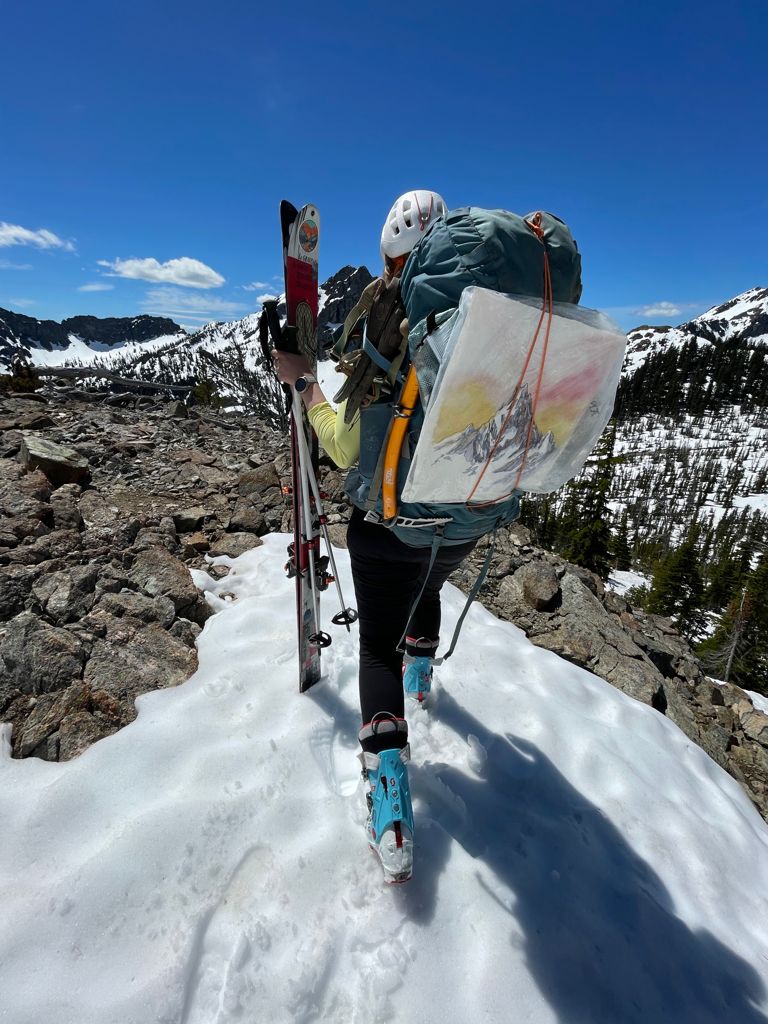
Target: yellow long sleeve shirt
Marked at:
339, 441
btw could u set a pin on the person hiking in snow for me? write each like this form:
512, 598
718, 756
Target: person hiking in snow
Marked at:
388, 576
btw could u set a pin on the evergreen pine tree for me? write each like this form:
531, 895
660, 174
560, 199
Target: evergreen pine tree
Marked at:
587, 515
750, 663
622, 554
677, 589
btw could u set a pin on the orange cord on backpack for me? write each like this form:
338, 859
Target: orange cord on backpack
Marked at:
546, 309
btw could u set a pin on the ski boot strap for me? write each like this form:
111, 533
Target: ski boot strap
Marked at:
370, 762
421, 647
384, 724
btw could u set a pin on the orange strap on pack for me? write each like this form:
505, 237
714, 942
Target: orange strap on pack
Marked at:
403, 412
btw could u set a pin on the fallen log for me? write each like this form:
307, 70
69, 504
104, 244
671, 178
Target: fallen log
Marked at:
83, 372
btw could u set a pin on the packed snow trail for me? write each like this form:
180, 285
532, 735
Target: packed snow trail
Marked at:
578, 860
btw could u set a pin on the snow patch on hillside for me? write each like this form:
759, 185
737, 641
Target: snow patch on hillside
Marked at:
721, 456
622, 580
741, 315
83, 353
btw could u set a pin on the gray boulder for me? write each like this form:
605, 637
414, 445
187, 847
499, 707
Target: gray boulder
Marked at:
60, 463
38, 658
160, 574
134, 658
68, 595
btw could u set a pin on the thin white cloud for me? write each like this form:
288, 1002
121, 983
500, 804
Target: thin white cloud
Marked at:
21, 303
9, 265
668, 309
173, 301
266, 297
15, 234
184, 271
96, 286
670, 312
256, 286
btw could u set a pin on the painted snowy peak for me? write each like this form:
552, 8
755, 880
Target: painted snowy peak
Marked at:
743, 318
38, 338
505, 437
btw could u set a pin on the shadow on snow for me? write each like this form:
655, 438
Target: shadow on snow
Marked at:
599, 928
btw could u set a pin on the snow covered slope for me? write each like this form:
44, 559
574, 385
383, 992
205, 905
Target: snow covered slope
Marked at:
692, 441
153, 347
578, 860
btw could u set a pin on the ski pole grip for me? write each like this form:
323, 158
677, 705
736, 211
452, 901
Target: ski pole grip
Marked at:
283, 339
264, 338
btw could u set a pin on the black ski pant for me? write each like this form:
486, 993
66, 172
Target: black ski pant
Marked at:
388, 575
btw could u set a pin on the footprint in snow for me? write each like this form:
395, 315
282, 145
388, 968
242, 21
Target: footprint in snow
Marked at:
335, 758
220, 970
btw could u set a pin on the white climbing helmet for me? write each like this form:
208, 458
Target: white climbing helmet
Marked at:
408, 219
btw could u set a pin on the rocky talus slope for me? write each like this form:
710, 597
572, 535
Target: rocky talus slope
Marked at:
105, 503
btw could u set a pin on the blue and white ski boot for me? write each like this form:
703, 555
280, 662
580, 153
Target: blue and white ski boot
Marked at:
418, 663
390, 815
417, 677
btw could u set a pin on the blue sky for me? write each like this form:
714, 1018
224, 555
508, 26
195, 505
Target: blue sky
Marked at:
144, 147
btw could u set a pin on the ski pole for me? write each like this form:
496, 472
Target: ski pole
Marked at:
346, 616
304, 462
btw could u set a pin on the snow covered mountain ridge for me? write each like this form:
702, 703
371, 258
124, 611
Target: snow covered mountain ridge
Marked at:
744, 317
217, 871
83, 339
50, 342
124, 344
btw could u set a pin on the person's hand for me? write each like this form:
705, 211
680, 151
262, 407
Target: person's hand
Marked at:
289, 366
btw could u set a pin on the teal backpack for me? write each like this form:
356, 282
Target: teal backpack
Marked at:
493, 249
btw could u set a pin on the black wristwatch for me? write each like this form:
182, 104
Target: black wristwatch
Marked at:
305, 382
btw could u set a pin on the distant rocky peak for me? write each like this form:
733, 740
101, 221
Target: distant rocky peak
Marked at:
338, 296
741, 320
347, 279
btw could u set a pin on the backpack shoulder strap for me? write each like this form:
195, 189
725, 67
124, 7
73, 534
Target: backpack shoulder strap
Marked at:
373, 369
359, 310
